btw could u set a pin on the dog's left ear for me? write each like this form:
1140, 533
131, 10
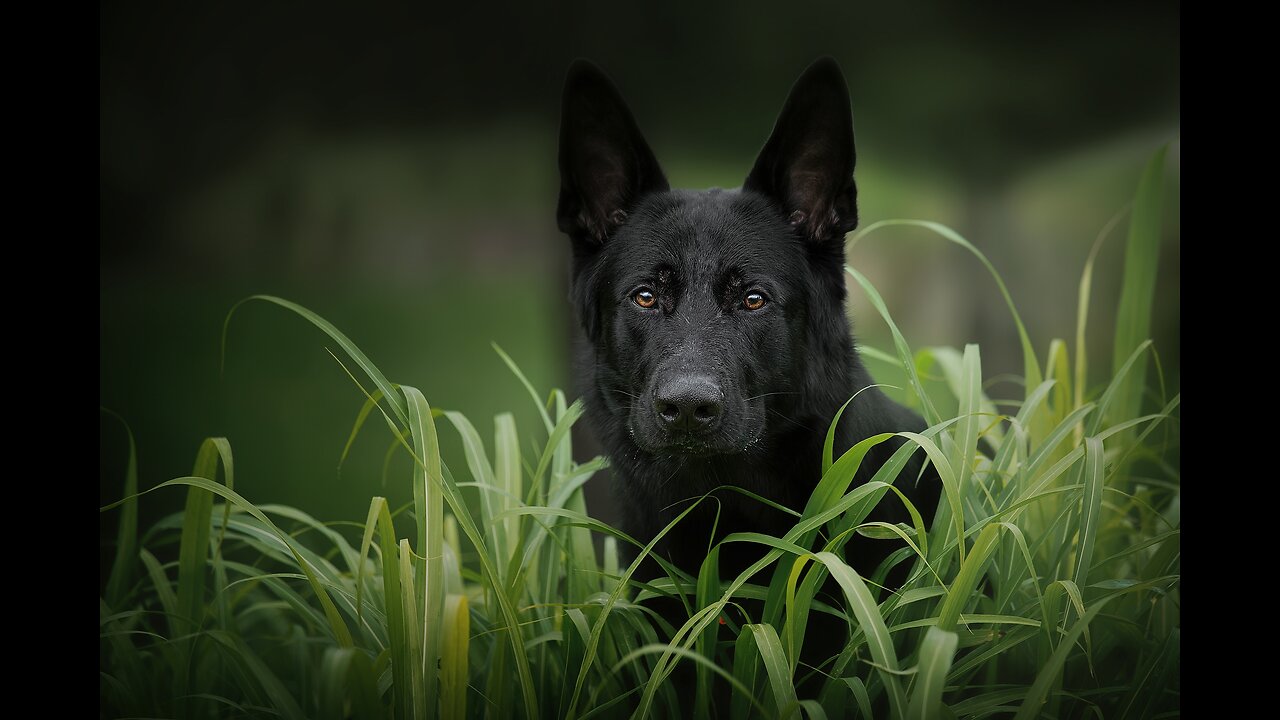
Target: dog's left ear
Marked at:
806, 166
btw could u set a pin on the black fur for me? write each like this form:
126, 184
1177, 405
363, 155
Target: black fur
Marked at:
699, 391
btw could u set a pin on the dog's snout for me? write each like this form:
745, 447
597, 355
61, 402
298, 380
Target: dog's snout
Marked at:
688, 403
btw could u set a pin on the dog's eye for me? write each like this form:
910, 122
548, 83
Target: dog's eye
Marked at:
753, 301
645, 298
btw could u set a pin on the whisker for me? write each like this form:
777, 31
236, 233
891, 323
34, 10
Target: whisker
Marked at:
790, 420
756, 397
679, 467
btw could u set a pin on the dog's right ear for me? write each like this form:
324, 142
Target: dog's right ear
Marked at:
605, 163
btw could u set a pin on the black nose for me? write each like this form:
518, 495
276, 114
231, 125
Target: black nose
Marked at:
688, 402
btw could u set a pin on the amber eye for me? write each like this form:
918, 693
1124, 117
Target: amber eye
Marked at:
753, 301
645, 298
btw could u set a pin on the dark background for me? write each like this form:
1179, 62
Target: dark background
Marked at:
393, 169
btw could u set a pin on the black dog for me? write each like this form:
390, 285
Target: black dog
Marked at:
719, 348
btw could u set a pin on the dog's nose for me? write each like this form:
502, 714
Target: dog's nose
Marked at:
688, 402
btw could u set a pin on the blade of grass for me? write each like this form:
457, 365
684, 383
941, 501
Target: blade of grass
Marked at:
376, 507
160, 582
708, 590
962, 588
1082, 307
370, 402
1137, 291
937, 650
507, 475
900, 343
776, 667
397, 403
420, 703
966, 432
872, 624
1031, 369
490, 503
194, 548
542, 410
1091, 506
122, 568
400, 656
428, 485
746, 668
453, 658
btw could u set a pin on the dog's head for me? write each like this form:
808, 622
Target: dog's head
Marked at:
717, 317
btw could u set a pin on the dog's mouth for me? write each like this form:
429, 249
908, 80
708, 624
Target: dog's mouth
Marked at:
694, 445
679, 446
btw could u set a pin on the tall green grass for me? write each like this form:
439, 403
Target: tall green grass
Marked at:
1047, 584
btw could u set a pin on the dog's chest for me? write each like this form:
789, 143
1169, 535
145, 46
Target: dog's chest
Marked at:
725, 512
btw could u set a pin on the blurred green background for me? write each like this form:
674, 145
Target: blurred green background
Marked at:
393, 169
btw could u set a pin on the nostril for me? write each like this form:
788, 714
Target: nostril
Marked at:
706, 413
669, 411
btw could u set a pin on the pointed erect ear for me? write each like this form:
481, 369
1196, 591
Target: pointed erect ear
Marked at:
605, 164
806, 167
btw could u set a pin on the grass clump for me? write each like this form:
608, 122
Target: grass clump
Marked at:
1047, 585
